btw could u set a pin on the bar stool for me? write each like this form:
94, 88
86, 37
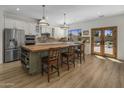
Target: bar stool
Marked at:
51, 61
80, 52
69, 56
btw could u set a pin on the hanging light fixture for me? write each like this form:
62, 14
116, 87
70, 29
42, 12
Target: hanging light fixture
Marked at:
65, 26
43, 21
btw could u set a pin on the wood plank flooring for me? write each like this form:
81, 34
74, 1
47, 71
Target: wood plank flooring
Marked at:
94, 73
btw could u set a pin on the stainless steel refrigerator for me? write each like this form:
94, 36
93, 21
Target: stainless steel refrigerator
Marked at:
13, 39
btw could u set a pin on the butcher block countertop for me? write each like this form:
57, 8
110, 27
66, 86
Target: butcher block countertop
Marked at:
45, 46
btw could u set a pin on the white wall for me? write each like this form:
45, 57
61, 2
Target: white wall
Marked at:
1, 35
103, 22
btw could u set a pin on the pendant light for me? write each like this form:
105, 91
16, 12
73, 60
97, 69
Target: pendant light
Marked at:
43, 21
65, 26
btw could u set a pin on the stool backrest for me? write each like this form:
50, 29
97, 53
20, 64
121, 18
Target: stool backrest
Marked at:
54, 53
71, 49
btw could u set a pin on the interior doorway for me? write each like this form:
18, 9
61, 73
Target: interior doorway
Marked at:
104, 41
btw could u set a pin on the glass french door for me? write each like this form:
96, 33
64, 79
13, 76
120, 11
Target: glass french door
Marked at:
97, 42
104, 41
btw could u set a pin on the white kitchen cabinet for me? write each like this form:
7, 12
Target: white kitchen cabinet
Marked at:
58, 33
28, 27
9, 23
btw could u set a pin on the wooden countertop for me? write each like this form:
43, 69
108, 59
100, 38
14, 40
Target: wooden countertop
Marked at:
43, 47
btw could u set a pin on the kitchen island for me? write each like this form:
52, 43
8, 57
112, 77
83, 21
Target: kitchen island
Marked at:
31, 54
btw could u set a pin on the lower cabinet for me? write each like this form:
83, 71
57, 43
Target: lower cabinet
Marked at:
31, 62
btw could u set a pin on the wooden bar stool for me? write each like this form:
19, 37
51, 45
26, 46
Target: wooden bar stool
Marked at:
69, 56
80, 52
51, 61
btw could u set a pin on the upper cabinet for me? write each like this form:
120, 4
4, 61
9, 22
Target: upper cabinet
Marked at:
28, 27
58, 33
9, 23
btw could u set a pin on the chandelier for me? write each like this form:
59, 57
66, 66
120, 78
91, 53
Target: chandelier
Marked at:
65, 26
43, 21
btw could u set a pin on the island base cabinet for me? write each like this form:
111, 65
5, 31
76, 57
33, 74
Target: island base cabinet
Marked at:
31, 61
35, 63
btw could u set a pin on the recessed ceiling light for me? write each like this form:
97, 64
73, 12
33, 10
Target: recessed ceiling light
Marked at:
101, 15
17, 9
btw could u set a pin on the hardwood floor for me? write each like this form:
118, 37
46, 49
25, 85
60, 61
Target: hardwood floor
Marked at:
94, 73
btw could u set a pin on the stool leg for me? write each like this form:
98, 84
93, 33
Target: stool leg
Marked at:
42, 69
58, 69
74, 61
61, 61
80, 58
68, 62
48, 73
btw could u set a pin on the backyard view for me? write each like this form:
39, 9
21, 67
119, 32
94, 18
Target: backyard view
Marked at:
108, 45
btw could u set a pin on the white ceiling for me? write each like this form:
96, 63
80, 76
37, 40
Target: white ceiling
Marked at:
75, 13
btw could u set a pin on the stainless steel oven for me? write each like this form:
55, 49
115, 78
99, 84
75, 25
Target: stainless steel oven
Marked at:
29, 39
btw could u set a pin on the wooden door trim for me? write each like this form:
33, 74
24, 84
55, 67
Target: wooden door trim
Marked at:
115, 36
92, 52
114, 28
103, 28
